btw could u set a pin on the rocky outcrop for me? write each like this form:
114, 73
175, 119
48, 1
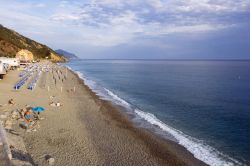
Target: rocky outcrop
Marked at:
25, 55
12, 42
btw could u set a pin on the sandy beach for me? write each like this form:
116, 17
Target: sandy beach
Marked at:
85, 130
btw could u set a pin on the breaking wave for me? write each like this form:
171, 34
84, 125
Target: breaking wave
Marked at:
198, 148
201, 151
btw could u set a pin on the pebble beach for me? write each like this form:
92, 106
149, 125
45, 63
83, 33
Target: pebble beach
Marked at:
77, 127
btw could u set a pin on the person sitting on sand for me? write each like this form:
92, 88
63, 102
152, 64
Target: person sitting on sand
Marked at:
27, 116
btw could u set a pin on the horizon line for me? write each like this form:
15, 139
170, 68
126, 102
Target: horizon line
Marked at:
168, 59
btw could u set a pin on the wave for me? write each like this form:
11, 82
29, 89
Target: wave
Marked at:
117, 99
198, 148
103, 92
201, 151
89, 83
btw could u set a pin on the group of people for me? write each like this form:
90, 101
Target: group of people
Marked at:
28, 115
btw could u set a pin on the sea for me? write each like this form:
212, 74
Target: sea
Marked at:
202, 105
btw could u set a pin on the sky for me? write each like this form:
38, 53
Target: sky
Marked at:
135, 29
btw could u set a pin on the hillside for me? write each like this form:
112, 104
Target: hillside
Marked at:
66, 54
11, 42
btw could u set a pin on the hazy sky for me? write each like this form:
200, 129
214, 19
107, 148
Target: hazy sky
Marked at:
135, 28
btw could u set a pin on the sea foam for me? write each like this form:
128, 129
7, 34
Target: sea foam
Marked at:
106, 93
198, 148
117, 99
201, 151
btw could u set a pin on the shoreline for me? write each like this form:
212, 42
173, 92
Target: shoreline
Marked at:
87, 130
159, 147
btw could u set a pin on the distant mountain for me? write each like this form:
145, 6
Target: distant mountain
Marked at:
12, 42
66, 54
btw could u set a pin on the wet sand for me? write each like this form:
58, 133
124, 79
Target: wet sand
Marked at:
86, 130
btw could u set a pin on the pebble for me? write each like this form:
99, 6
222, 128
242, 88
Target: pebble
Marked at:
51, 161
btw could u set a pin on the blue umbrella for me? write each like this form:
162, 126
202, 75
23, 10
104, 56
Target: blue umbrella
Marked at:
38, 109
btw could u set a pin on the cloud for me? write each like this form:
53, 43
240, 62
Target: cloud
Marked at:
64, 17
194, 6
114, 22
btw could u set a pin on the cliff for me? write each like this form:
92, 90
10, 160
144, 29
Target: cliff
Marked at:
12, 42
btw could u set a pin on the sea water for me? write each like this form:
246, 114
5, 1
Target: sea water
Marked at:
202, 105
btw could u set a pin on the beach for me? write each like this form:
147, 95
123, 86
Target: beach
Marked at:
84, 130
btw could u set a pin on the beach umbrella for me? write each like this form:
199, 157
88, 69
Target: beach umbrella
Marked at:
38, 109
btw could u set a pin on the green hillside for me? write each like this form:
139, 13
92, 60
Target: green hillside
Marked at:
11, 42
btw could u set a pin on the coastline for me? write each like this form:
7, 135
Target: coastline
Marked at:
90, 131
159, 147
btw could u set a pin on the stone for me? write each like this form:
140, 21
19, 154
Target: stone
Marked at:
11, 102
25, 55
51, 161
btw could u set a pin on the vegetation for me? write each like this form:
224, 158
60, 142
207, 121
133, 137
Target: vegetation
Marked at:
66, 54
11, 42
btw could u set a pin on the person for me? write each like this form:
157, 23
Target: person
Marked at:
22, 111
36, 115
27, 116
